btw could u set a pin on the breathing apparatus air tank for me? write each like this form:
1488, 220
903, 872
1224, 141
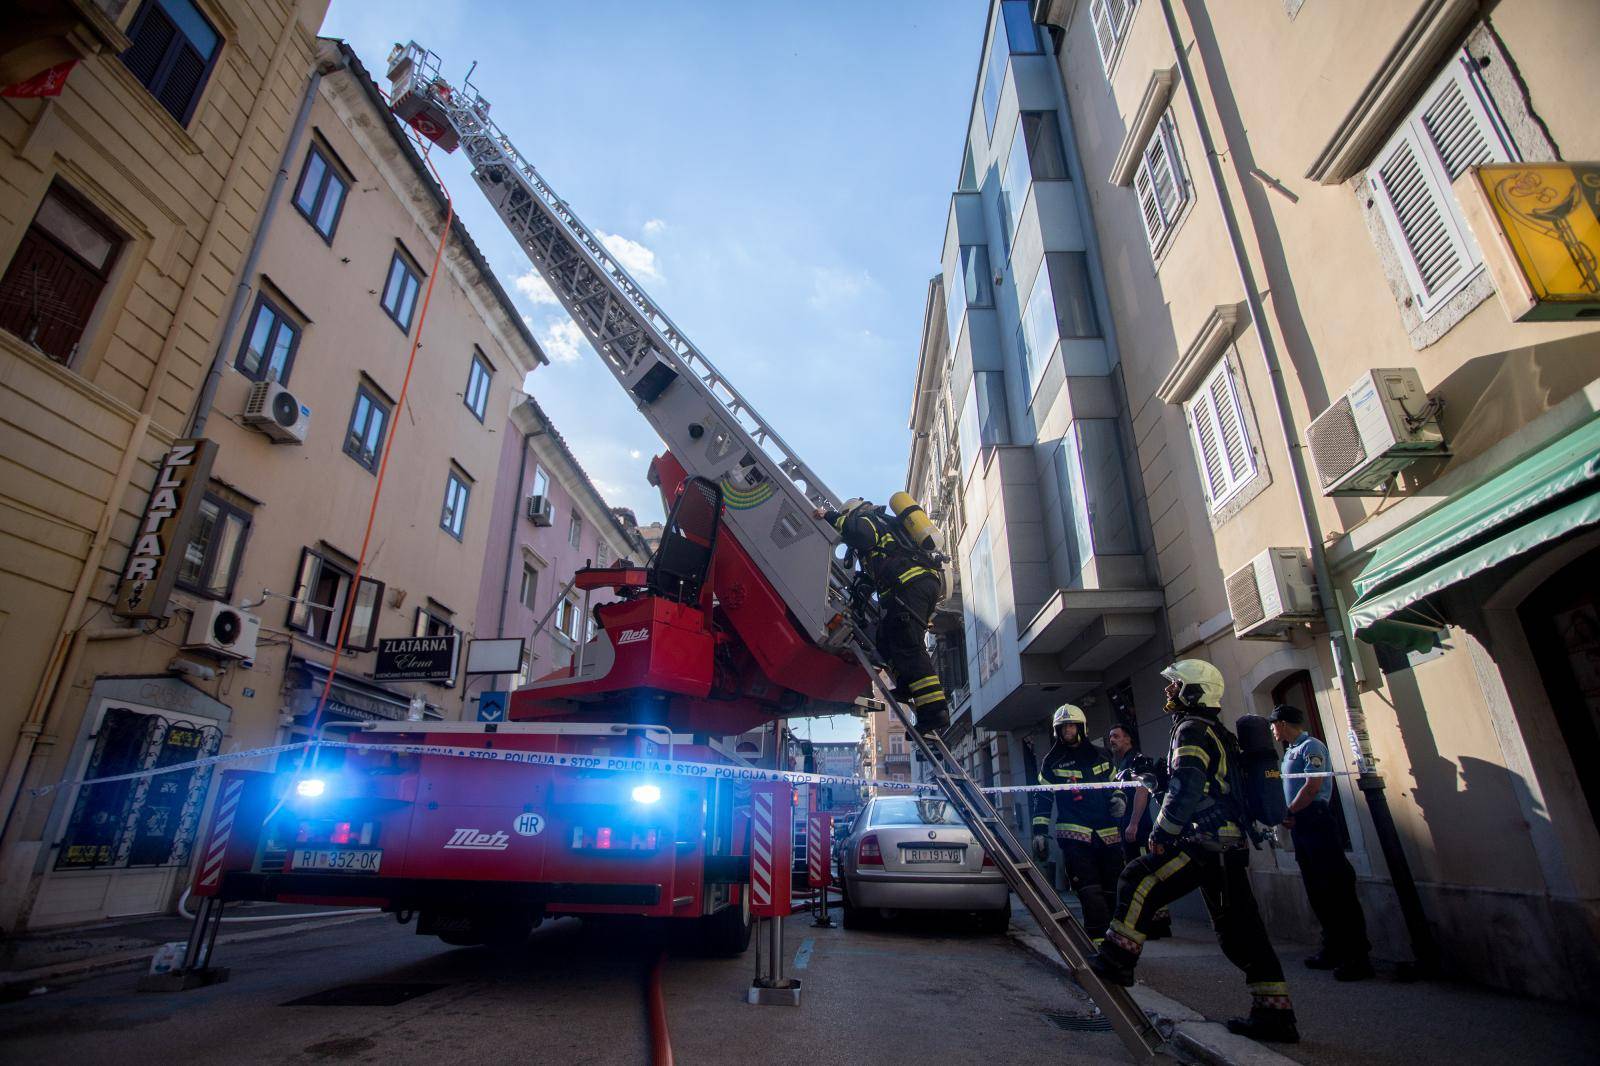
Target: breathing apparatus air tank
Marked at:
915, 521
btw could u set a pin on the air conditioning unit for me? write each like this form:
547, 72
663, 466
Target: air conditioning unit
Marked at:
1381, 425
540, 512
223, 630
1274, 592
275, 411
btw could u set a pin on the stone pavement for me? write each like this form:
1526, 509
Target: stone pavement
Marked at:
1380, 1022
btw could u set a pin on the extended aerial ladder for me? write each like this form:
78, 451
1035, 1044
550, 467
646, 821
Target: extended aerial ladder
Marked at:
768, 491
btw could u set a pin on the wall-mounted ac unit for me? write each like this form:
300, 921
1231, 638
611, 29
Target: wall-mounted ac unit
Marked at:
1275, 591
1380, 426
540, 511
276, 411
222, 630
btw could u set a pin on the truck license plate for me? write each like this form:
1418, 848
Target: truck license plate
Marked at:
934, 854
344, 860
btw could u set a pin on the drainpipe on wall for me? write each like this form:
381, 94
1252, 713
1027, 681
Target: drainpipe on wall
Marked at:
208, 391
1370, 782
511, 532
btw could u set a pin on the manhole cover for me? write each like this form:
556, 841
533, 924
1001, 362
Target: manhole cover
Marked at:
364, 995
1080, 1023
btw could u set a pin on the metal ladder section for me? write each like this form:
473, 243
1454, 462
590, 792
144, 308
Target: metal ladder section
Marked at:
712, 430
1142, 1039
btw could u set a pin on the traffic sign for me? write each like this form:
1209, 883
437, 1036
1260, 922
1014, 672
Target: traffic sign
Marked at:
492, 706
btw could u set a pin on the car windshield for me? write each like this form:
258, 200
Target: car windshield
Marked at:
905, 810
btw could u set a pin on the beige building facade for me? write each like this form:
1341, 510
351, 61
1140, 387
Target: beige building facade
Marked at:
307, 326
1280, 194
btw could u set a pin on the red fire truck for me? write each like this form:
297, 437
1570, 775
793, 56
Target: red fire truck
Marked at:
481, 850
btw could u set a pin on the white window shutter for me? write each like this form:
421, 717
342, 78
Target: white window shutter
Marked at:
1149, 210
1105, 33
1235, 437
1162, 176
1204, 429
1451, 128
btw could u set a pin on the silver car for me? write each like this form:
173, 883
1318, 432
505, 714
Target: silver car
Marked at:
913, 853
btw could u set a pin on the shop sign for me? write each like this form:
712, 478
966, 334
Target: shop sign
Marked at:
417, 658
1538, 225
167, 525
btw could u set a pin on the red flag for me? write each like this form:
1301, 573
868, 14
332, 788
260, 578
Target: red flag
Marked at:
45, 83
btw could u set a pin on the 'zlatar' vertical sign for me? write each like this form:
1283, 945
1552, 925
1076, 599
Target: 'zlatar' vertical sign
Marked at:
167, 524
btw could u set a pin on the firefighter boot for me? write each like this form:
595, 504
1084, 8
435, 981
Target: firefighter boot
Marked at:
1116, 956
1274, 1025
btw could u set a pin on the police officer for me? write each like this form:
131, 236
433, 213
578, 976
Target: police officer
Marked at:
1198, 841
908, 590
1087, 822
1329, 878
1139, 770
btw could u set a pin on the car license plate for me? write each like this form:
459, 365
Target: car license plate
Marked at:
344, 860
934, 854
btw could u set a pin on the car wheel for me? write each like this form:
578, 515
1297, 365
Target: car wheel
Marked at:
855, 917
995, 921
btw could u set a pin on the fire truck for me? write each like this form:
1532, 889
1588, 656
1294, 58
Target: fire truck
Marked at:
742, 617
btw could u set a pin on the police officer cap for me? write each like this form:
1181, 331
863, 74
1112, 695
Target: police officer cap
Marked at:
1290, 715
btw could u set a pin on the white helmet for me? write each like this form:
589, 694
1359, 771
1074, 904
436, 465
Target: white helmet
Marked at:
1069, 712
1201, 682
850, 505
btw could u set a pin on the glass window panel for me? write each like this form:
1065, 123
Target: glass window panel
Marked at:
975, 269
1037, 332
541, 483
1108, 503
300, 613
331, 200
193, 25
311, 182
1014, 187
408, 297
364, 619
1021, 33
391, 287
1074, 305
282, 351
969, 172
993, 78
63, 222
260, 337
225, 556
1074, 509
1046, 158
191, 570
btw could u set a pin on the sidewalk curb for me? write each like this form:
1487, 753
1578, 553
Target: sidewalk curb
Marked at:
24, 980
1208, 1041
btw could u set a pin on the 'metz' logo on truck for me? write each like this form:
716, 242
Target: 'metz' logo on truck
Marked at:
633, 636
473, 840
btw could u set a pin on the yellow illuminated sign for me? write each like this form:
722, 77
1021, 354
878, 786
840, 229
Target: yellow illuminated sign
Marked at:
1539, 227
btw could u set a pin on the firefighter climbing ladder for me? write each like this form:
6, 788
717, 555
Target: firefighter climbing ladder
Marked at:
715, 433
1138, 1033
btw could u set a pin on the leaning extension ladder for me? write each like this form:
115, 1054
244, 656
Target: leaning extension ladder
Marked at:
1142, 1039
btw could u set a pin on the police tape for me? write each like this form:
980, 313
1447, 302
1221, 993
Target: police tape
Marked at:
605, 763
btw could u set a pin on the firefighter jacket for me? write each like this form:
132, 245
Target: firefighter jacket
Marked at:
1082, 815
1200, 805
889, 563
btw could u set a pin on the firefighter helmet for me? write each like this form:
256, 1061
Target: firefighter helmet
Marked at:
1200, 683
851, 505
1069, 712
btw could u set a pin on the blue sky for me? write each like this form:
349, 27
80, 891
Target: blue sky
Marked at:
777, 176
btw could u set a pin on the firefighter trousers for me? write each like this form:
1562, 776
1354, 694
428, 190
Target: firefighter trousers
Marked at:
903, 645
1153, 881
1092, 870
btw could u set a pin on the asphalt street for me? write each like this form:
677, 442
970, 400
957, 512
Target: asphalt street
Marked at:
925, 992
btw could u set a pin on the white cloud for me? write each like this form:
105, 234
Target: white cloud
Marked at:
653, 227
635, 258
564, 342
635, 453
535, 288
832, 288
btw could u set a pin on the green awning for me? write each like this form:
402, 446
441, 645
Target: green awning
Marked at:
1542, 497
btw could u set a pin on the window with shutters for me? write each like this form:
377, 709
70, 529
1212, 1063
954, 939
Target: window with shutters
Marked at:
321, 597
1454, 126
1111, 20
174, 48
1223, 449
1161, 184
57, 273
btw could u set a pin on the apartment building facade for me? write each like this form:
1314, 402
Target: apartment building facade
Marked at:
1021, 432
549, 521
255, 516
1290, 237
